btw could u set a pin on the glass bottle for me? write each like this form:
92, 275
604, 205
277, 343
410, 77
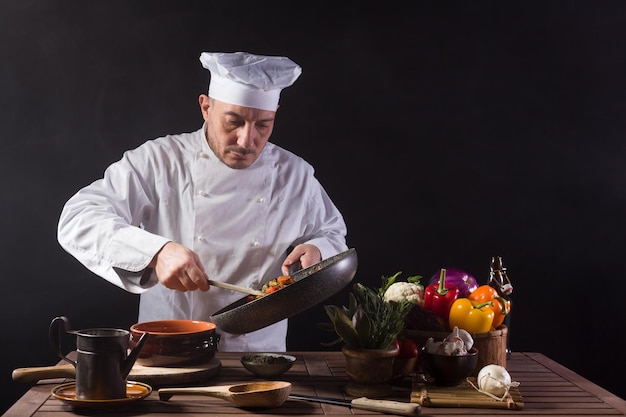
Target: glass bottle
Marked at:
499, 280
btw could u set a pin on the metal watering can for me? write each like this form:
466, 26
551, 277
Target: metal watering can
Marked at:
103, 362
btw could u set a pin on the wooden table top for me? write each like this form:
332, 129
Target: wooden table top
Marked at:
547, 388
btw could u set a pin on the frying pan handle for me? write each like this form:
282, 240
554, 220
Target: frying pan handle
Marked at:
294, 267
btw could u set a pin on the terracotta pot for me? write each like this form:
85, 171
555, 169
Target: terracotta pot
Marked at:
175, 342
369, 371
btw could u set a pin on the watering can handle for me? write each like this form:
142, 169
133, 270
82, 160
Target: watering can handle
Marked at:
54, 334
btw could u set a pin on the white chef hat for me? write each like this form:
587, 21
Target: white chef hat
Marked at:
249, 80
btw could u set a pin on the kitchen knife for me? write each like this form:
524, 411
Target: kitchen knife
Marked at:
381, 406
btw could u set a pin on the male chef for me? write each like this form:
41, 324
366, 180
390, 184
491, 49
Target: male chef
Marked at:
220, 203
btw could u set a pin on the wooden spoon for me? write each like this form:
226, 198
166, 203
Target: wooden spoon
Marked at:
254, 394
235, 287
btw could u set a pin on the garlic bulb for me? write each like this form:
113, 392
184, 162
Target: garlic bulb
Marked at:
455, 345
467, 338
495, 380
432, 346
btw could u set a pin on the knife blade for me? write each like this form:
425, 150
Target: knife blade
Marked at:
363, 403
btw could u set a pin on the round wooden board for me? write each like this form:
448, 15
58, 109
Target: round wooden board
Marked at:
163, 376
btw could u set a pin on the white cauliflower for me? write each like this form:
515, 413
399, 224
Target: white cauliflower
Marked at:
405, 291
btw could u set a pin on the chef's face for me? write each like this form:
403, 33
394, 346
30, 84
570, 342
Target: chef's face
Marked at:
236, 134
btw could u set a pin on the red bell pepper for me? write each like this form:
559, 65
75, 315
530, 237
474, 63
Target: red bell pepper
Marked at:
439, 297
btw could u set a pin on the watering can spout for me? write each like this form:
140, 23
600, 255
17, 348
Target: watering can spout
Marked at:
128, 363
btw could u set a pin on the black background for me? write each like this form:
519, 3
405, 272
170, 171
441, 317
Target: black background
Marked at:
446, 133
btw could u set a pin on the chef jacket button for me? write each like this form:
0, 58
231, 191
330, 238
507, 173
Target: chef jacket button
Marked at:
200, 238
256, 243
202, 193
260, 200
202, 155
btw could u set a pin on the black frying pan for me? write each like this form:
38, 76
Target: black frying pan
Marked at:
312, 286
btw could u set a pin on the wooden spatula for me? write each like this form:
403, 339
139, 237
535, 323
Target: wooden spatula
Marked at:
228, 286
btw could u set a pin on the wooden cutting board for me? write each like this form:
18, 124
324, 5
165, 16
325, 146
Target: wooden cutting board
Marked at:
151, 375
430, 395
161, 376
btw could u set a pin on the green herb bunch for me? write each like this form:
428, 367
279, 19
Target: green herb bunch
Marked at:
368, 322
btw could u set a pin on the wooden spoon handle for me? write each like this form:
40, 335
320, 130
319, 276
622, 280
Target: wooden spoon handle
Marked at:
43, 372
218, 392
228, 286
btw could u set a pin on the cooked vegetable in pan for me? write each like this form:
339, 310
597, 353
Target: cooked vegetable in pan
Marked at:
274, 285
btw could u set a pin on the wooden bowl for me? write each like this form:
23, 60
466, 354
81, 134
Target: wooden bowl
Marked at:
175, 342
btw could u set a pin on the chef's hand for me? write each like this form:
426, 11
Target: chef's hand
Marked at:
179, 268
306, 254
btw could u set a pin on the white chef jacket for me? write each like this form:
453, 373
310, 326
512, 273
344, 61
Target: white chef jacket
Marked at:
241, 223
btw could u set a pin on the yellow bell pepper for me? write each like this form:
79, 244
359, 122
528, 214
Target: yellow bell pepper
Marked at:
471, 316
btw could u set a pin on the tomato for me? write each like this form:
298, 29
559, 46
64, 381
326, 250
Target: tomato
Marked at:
407, 348
396, 344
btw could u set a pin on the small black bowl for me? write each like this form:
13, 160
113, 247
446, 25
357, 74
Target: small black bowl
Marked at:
449, 370
267, 365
